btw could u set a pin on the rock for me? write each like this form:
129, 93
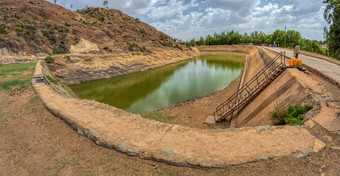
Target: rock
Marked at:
318, 145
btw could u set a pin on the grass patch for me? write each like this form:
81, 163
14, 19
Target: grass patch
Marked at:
3, 29
6, 69
158, 116
59, 52
292, 116
19, 84
19, 80
51, 79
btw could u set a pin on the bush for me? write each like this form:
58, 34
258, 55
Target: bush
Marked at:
169, 44
49, 59
59, 52
67, 24
292, 116
178, 47
101, 17
3, 29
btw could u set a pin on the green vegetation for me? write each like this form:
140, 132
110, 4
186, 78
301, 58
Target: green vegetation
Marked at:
49, 59
51, 79
292, 116
158, 116
21, 30
332, 17
178, 47
67, 24
168, 44
14, 69
31, 2
76, 41
14, 78
59, 52
87, 59
260, 38
101, 17
3, 29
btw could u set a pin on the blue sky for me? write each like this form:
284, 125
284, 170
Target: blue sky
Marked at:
187, 19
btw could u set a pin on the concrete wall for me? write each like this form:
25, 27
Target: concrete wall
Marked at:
284, 91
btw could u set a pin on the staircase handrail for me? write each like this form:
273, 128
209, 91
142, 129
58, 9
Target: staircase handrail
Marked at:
250, 82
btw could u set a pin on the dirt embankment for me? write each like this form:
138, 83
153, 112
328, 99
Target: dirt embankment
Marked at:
88, 44
76, 68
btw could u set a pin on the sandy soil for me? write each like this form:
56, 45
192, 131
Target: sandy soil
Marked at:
34, 142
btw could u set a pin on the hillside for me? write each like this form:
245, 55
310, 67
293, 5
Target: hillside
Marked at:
37, 27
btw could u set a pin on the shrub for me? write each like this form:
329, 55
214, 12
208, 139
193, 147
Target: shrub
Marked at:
59, 52
101, 17
87, 59
3, 29
19, 29
169, 44
67, 24
292, 116
49, 59
178, 47
106, 47
31, 2
80, 11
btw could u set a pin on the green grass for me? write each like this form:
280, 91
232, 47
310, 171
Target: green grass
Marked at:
158, 116
3, 29
51, 79
59, 52
17, 80
18, 84
5, 69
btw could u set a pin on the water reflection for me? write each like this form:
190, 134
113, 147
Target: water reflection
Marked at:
165, 86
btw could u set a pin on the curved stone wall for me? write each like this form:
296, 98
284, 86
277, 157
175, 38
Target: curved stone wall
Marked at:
174, 144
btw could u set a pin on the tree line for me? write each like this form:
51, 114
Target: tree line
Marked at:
287, 39
280, 38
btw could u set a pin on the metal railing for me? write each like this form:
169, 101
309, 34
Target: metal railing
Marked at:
249, 90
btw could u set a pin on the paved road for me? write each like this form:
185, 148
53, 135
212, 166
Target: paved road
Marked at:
329, 69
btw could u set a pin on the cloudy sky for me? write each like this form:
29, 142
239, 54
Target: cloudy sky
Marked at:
187, 19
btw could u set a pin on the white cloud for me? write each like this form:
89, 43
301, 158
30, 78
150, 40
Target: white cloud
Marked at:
186, 19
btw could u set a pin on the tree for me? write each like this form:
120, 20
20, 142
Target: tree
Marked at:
105, 3
293, 38
247, 39
332, 17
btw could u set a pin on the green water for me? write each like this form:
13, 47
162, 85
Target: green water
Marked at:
165, 86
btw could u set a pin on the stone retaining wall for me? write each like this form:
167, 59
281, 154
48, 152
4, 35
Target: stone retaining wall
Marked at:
174, 144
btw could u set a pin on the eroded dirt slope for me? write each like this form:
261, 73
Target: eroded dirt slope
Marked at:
89, 44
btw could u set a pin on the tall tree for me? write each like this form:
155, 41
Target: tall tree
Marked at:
105, 3
332, 17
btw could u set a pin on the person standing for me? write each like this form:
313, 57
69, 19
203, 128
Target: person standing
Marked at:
297, 51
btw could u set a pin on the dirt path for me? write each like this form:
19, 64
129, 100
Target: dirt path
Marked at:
330, 69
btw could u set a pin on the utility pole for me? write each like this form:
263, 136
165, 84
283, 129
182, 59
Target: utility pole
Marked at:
285, 38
